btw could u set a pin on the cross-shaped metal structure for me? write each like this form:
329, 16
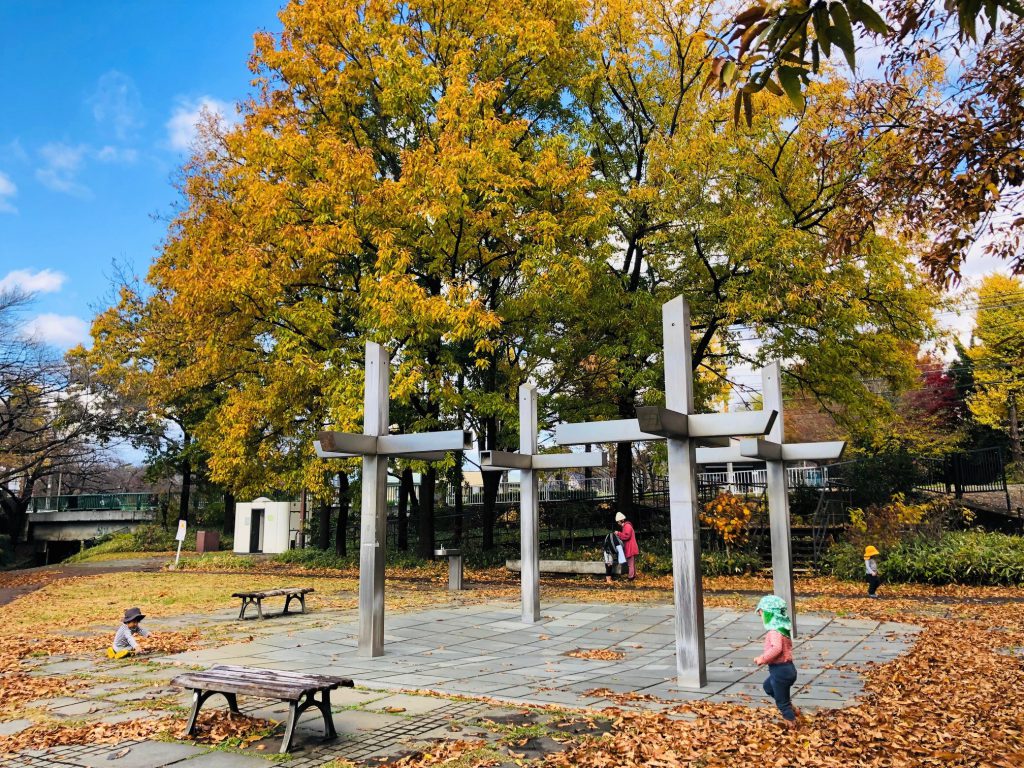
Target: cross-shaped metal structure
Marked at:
529, 462
775, 453
677, 423
376, 446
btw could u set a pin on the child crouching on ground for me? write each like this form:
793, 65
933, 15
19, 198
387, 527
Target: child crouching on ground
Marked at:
778, 655
125, 643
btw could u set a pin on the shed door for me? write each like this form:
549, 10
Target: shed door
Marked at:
256, 531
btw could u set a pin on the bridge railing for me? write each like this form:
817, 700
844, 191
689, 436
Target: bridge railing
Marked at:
95, 501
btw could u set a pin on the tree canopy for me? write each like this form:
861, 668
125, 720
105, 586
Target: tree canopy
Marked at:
504, 192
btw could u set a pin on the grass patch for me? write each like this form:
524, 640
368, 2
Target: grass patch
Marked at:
145, 538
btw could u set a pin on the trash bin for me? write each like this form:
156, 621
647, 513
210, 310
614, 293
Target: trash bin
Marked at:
208, 541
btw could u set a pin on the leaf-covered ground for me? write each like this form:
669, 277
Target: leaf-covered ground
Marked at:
956, 699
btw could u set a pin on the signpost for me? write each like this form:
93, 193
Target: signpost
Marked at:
180, 537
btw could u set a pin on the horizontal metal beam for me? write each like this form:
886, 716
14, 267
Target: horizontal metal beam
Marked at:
719, 455
505, 460
614, 431
570, 460
344, 442
420, 442
735, 424
823, 451
319, 448
491, 460
669, 423
661, 421
756, 448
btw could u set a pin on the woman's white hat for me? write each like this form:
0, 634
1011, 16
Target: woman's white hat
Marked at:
619, 517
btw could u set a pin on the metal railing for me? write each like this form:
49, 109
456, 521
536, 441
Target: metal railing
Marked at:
96, 501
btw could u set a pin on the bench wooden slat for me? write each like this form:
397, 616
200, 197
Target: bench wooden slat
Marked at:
281, 673
246, 688
251, 681
276, 592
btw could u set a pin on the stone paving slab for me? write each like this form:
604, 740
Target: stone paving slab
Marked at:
145, 754
485, 650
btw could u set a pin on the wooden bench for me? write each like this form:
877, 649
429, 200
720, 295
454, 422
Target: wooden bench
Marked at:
290, 593
576, 567
299, 690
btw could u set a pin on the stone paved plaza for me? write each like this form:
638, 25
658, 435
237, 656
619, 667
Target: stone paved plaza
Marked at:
481, 651
485, 650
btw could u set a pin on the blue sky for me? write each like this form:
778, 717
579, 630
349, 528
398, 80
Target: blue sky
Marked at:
100, 99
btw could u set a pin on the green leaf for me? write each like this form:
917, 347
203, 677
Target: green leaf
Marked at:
864, 14
842, 32
789, 79
748, 109
728, 73
821, 28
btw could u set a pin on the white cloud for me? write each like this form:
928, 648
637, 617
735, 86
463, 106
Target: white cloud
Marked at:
116, 104
8, 189
43, 281
109, 154
62, 331
61, 164
181, 128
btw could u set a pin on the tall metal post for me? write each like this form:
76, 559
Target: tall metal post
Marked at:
778, 494
528, 507
684, 505
373, 512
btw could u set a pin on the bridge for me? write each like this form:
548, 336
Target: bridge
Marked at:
89, 516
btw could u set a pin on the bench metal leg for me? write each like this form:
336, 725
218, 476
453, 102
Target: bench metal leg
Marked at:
293, 716
247, 601
199, 698
295, 710
300, 598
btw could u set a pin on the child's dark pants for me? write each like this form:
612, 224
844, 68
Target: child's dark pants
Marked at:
780, 679
873, 582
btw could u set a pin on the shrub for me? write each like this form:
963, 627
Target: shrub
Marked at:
729, 515
729, 564
959, 557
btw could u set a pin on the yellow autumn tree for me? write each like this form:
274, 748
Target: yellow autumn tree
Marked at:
998, 358
403, 174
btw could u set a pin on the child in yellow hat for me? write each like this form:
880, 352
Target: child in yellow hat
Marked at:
871, 568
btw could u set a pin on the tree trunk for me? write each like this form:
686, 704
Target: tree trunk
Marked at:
15, 509
425, 523
344, 502
406, 491
624, 462
489, 508
186, 479
323, 526
624, 478
1016, 449
229, 514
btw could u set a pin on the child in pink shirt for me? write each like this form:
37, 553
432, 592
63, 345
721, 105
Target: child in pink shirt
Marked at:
778, 655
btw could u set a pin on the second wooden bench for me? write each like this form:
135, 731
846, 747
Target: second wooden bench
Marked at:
256, 598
